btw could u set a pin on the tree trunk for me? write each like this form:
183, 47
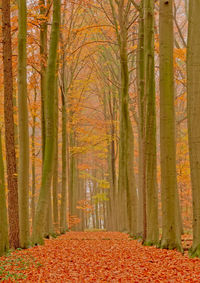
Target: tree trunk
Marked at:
193, 100
171, 236
152, 230
72, 179
23, 175
33, 162
13, 212
63, 208
4, 245
55, 170
43, 63
41, 210
141, 224
126, 146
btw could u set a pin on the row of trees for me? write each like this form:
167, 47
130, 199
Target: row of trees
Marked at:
97, 65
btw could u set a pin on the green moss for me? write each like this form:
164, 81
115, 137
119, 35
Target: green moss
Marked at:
12, 266
194, 251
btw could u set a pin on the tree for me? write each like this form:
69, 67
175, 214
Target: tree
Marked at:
9, 128
33, 156
141, 224
171, 236
4, 244
63, 207
152, 233
23, 175
126, 182
47, 171
193, 108
43, 59
55, 170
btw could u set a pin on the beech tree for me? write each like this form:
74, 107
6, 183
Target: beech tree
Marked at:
126, 182
13, 211
4, 244
193, 109
152, 233
171, 234
23, 174
140, 73
43, 63
41, 210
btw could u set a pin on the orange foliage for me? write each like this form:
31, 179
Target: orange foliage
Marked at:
101, 257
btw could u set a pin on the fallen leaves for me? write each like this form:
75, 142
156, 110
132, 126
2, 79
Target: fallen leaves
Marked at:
104, 257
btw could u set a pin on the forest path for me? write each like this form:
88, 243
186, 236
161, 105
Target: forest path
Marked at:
98, 257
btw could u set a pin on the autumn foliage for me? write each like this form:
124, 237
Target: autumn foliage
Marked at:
98, 257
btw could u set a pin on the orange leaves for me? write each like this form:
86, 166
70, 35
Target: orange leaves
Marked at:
73, 220
180, 54
103, 257
84, 205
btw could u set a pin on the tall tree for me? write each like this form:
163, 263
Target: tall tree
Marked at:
141, 223
171, 236
4, 245
193, 109
43, 62
63, 208
47, 171
55, 170
9, 128
33, 153
23, 175
152, 233
126, 181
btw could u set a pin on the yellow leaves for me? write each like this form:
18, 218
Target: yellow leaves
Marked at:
102, 184
133, 48
100, 197
95, 143
93, 29
180, 53
78, 149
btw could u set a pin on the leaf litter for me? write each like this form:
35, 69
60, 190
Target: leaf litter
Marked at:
97, 257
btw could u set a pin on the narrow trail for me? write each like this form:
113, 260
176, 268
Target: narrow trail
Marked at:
100, 257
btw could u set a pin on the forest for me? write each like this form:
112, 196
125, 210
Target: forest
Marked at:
99, 140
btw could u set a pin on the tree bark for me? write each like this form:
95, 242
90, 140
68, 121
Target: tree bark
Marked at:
33, 162
55, 170
63, 208
4, 244
13, 211
23, 174
152, 230
193, 109
47, 172
171, 236
141, 224
43, 65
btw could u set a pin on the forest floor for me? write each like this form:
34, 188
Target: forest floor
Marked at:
97, 257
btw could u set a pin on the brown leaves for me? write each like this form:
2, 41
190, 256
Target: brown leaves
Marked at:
107, 257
